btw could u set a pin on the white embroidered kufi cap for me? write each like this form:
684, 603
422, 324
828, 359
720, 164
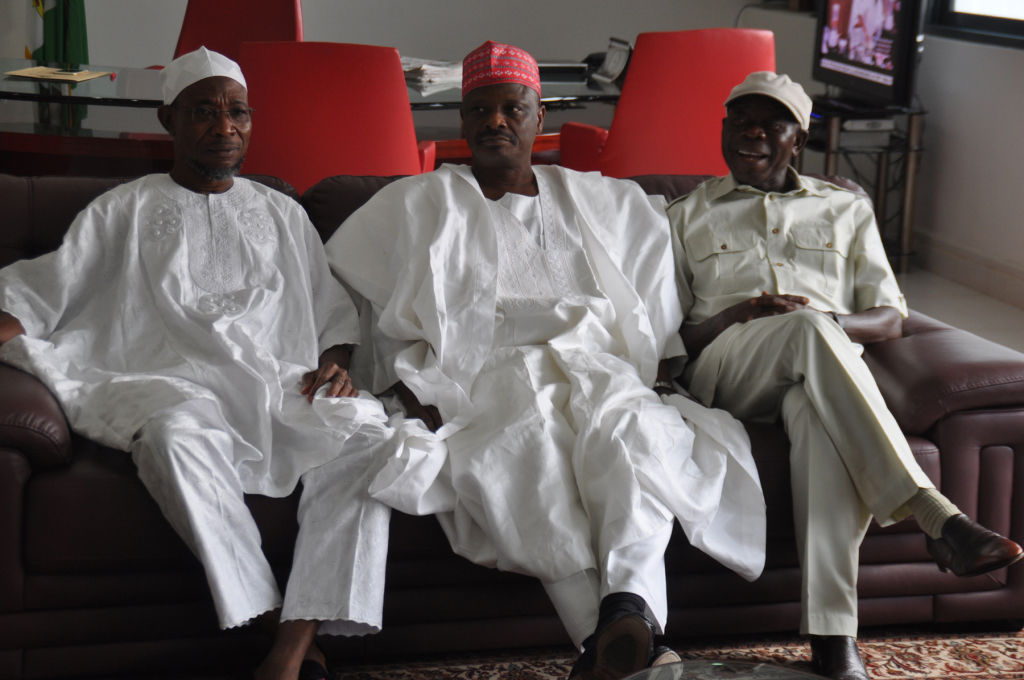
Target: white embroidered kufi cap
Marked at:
780, 88
193, 67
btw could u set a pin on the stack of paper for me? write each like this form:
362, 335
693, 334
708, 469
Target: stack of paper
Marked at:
50, 73
431, 75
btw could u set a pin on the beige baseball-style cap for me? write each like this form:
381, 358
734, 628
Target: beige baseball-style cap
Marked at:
192, 67
780, 88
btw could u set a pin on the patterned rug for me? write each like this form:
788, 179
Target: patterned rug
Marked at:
891, 654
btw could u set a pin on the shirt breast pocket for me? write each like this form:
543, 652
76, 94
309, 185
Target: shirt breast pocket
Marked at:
822, 254
730, 259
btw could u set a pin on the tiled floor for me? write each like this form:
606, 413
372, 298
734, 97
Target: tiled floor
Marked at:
964, 308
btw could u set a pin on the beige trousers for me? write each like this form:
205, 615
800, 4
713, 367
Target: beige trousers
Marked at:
848, 461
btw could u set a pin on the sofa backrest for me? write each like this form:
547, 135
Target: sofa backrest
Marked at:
332, 200
37, 211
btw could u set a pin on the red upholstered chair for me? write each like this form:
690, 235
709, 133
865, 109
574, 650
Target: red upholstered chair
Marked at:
223, 25
325, 109
669, 117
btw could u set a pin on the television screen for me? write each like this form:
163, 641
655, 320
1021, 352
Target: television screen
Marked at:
870, 47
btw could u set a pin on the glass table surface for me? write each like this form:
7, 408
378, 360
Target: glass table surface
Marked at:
555, 91
129, 87
140, 88
721, 670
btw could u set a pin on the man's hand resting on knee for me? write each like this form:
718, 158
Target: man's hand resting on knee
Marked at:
872, 325
333, 369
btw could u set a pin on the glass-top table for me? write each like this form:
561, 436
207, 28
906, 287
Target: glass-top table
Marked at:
721, 670
140, 88
130, 87
555, 93
84, 125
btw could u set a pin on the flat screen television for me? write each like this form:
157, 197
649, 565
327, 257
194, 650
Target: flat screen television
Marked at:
870, 48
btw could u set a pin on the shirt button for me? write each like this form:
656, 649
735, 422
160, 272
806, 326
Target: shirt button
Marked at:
771, 198
725, 247
778, 264
828, 245
775, 231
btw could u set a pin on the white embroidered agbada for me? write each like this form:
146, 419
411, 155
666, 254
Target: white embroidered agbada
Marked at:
207, 310
539, 351
160, 295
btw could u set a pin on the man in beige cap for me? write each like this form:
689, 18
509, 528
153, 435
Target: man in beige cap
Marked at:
783, 278
192, 320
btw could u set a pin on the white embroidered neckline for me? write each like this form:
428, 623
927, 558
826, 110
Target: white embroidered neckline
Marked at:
530, 276
212, 232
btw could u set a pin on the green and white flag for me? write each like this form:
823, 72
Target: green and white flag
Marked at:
55, 31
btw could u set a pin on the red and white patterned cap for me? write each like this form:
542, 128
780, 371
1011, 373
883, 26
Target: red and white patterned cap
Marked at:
493, 63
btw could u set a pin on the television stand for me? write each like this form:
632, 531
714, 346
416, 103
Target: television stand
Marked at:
833, 114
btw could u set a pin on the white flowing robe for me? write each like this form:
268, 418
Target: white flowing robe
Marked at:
159, 296
558, 452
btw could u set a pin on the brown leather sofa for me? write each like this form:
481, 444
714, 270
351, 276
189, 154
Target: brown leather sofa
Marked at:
94, 581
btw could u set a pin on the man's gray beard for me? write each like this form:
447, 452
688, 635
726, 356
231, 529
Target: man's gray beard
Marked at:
215, 174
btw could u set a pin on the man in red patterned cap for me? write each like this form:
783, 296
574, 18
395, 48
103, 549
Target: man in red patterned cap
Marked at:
520, 317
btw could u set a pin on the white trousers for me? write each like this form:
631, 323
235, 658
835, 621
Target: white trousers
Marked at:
848, 460
638, 568
184, 458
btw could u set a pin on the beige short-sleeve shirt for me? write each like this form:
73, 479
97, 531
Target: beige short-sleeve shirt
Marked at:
820, 241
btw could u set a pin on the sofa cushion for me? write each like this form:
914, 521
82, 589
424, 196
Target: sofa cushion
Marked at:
935, 370
39, 210
96, 517
330, 201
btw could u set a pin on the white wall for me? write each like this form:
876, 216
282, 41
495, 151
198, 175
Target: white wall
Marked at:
144, 32
136, 33
794, 47
970, 225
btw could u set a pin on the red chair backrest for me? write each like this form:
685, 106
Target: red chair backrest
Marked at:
325, 109
223, 25
669, 117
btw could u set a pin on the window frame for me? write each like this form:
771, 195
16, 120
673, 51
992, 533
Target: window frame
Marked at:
943, 21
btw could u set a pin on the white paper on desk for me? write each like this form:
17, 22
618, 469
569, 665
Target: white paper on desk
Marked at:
431, 70
50, 73
434, 86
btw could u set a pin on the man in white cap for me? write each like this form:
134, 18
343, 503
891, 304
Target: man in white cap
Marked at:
783, 278
191, 319
523, 311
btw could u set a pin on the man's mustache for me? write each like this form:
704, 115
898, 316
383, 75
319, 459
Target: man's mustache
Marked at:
497, 135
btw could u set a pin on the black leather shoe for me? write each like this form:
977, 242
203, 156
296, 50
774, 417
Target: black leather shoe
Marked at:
837, 657
969, 549
619, 648
664, 655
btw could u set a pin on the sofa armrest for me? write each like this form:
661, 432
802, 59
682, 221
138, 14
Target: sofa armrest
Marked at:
935, 370
580, 146
31, 421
